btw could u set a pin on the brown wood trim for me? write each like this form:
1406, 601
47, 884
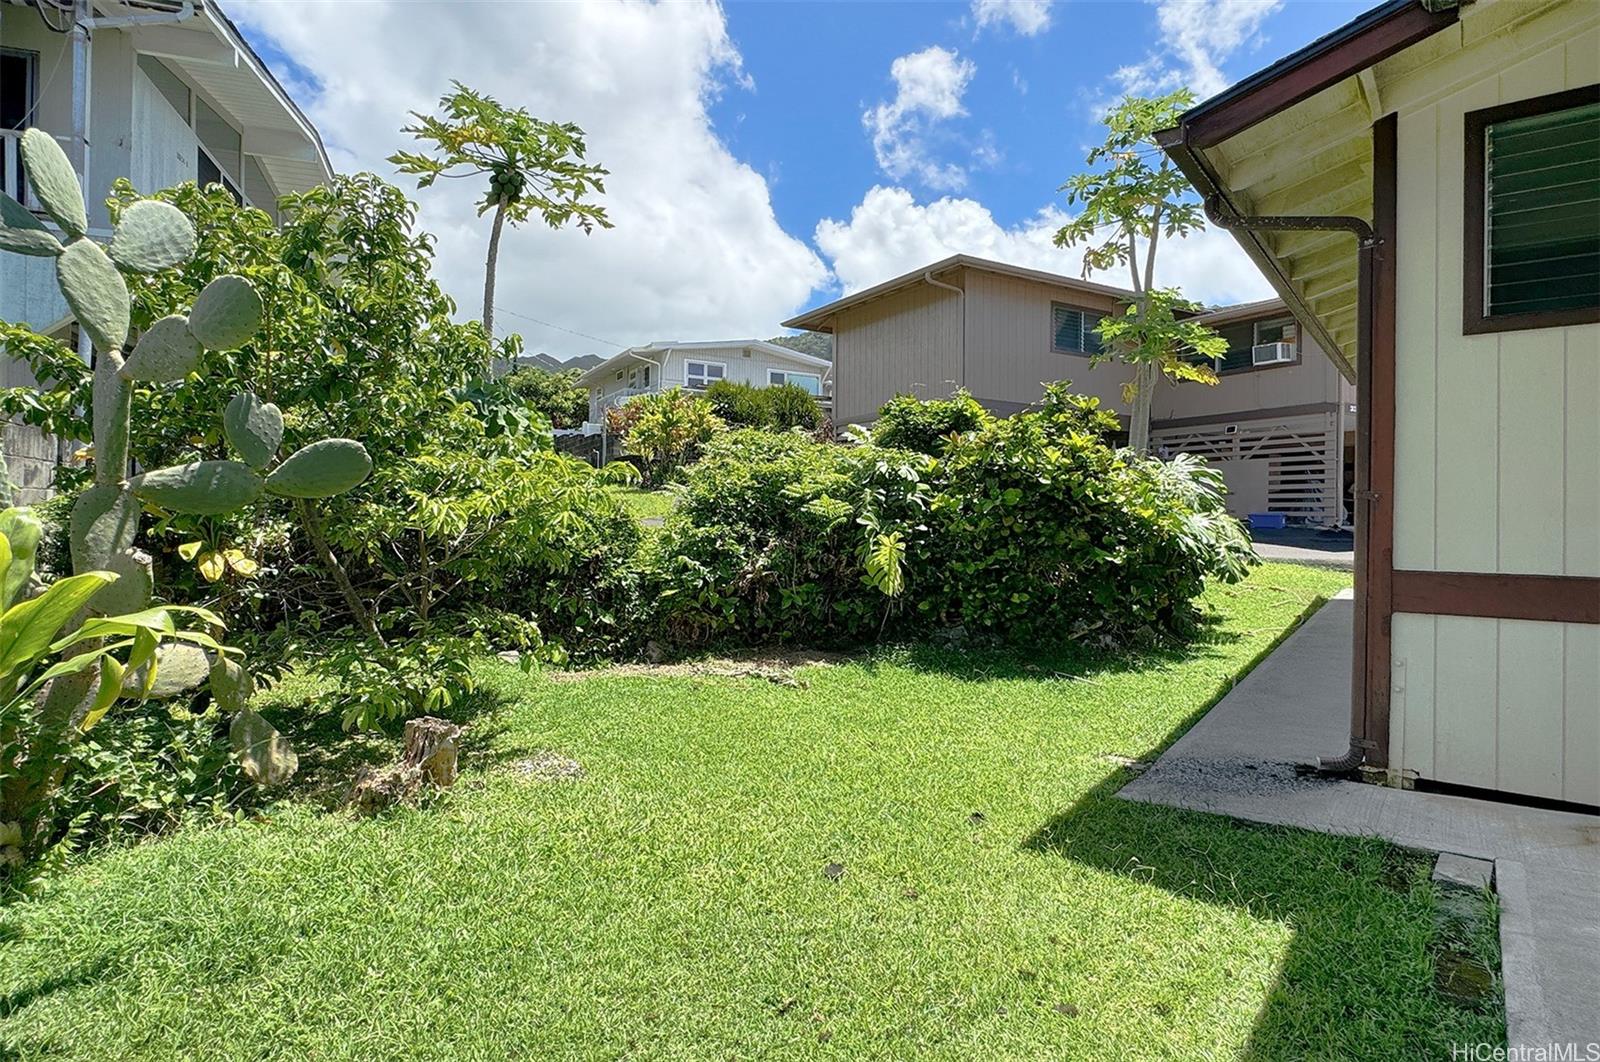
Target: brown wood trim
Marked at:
1474, 221
1246, 416
1378, 409
1322, 65
1496, 595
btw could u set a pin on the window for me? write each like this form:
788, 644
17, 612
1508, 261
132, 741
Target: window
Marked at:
698, 375
639, 377
1072, 330
1533, 213
1245, 336
810, 382
18, 82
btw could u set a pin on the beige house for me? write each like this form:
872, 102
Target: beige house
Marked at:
1422, 188
159, 92
1278, 422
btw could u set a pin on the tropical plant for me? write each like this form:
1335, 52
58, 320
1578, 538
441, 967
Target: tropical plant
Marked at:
664, 429
555, 394
43, 644
151, 237
1133, 197
926, 425
534, 166
781, 407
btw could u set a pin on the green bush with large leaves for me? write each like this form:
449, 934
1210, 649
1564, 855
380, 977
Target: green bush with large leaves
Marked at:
1032, 527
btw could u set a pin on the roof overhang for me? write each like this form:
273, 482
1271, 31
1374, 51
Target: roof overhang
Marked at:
209, 51
821, 318
1295, 139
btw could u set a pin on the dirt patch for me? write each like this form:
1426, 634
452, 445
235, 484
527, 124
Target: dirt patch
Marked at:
548, 767
775, 666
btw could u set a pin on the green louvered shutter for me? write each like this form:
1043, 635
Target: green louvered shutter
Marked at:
1543, 212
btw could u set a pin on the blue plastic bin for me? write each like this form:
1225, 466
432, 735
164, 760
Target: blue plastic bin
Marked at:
1267, 521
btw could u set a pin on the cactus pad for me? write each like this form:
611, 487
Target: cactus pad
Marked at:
152, 236
321, 470
54, 181
231, 685
22, 233
180, 668
131, 591
104, 520
166, 353
204, 488
264, 754
96, 292
226, 314
112, 401
254, 428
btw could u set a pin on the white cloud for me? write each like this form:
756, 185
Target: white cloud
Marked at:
1196, 37
1027, 17
890, 233
929, 86
697, 251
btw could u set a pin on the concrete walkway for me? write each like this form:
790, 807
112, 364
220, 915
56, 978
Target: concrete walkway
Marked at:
1293, 708
1299, 545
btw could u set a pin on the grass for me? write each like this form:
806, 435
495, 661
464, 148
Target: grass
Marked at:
995, 901
644, 504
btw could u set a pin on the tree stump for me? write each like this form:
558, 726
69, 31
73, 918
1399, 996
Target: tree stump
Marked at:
431, 747
429, 759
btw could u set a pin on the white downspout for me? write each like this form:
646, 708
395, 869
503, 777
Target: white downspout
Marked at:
928, 276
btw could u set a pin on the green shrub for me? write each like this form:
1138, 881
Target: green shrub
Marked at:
555, 394
782, 407
792, 406
739, 404
1030, 528
665, 430
911, 423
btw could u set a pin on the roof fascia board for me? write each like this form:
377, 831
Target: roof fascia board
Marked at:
1343, 53
819, 316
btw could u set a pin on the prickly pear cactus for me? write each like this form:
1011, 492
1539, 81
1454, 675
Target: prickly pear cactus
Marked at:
151, 236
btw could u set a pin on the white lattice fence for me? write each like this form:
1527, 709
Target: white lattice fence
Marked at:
1301, 453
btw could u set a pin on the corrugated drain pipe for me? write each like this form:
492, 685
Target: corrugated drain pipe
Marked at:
1222, 214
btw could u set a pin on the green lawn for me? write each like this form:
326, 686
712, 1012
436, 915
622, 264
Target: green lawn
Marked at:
644, 504
995, 900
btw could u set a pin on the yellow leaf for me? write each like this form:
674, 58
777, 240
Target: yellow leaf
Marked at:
188, 550
85, 453
211, 566
240, 563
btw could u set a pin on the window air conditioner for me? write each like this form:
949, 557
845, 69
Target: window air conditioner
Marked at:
1271, 353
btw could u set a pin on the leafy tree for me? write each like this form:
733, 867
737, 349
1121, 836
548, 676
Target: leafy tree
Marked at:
665, 430
1132, 197
534, 166
555, 394
907, 422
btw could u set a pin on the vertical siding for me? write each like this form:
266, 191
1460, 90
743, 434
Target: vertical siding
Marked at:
1512, 705
164, 148
1009, 339
1497, 451
905, 343
1310, 380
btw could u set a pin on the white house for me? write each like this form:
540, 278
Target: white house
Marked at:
158, 91
696, 366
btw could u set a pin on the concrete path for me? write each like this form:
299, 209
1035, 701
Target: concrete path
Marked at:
1293, 708
1299, 545
1320, 558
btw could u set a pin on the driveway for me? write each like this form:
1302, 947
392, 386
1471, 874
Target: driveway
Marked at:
1304, 545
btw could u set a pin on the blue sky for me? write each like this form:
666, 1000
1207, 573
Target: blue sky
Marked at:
765, 156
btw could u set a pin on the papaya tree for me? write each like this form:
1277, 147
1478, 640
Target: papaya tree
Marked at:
1134, 193
534, 166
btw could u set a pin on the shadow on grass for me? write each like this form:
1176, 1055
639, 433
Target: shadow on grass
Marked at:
1357, 979
331, 757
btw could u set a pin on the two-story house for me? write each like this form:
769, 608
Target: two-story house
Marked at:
160, 92
1277, 422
